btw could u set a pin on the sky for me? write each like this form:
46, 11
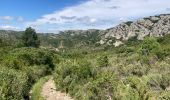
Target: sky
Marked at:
56, 15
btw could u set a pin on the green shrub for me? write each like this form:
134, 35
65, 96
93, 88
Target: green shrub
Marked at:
165, 96
139, 84
103, 61
22, 57
125, 92
164, 40
32, 63
34, 73
13, 84
149, 46
101, 88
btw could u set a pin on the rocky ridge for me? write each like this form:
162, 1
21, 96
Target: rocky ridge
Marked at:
150, 26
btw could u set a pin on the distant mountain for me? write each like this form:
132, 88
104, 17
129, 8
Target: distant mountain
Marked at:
150, 26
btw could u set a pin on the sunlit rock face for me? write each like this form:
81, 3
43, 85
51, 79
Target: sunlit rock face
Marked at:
152, 26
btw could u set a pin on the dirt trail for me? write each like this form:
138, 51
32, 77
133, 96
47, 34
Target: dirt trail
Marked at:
49, 92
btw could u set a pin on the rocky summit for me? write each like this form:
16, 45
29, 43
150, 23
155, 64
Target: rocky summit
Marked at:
150, 26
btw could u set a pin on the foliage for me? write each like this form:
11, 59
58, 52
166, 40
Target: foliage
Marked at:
20, 57
22, 67
30, 38
149, 46
137, 70
13, 84
102, 87
103, 61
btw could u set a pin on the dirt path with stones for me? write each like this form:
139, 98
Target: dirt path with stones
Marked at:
49, 92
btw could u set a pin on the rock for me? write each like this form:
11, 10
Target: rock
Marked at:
118, 43
152, 26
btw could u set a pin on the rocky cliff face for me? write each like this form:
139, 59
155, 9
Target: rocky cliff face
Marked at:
152, 26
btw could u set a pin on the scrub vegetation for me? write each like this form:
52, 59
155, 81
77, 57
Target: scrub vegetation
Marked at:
136, 70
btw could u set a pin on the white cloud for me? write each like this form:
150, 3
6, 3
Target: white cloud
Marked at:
10, 18
7, 27
6, 18
101, 13
20, 19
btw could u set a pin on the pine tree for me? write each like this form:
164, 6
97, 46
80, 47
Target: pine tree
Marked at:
30, 38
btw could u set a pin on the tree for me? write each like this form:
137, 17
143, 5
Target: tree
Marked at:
30, 38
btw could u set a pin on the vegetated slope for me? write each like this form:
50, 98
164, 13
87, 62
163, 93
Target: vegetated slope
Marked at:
137, 70
153, 26
10, 37
67, 39
71, 38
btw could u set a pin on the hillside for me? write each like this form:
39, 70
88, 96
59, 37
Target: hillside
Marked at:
72, 38
150, 26
88, 66
66, 39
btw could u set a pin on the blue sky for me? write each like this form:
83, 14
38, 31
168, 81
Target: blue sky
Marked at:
56, 15
32, 9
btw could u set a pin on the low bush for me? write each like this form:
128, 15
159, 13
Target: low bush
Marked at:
103, 61
22, 68
21, 57
13, 84
149, 46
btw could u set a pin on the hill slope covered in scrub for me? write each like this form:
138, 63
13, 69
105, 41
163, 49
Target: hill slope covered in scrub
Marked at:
136, 70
